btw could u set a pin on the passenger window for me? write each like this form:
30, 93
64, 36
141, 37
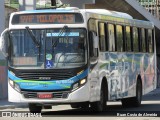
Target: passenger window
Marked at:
119, 35
153, 38
147, 43
143, 40
102, 37
128, 39
135, 40
111, 37
150, 41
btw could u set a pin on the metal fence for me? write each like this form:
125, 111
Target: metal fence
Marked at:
153, 6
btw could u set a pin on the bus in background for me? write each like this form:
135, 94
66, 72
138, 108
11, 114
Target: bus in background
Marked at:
81, 57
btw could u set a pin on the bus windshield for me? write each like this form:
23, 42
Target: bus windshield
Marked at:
57, 48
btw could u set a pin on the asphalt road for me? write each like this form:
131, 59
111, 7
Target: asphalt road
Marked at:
149, 109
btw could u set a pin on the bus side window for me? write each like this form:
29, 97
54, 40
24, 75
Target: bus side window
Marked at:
139, 39
153, 38
143, 40
119, 35
111, 37
146, 40
135, 40
128, 39
102, 36
150, 41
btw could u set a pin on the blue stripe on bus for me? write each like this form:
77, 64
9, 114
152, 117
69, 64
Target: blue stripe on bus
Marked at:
74, 34
51, 84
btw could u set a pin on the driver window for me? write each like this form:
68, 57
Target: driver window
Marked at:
92, 36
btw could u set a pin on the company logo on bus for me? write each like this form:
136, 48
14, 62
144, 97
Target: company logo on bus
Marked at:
44, 78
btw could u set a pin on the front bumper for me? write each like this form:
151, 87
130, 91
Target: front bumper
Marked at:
80, 95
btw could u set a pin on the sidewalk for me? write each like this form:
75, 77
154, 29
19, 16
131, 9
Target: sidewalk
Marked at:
4, 104
153, 95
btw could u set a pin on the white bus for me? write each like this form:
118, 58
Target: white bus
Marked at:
81, 57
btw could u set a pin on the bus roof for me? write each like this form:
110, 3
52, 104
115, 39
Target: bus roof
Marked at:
95, 13
74, 9
109, 13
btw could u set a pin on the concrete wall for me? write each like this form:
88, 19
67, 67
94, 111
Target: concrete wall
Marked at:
3, 78
3, 70
8, 11
78, 3
2, 20
27, 5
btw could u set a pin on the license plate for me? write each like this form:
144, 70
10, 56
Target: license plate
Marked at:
44, 95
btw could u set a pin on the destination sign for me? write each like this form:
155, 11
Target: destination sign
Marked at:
48, 18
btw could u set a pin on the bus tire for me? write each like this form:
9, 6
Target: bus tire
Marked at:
75, 105
137, 100
134, 101
34, 108
100, 106
82, 105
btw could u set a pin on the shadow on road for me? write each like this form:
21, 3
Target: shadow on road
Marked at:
111, 110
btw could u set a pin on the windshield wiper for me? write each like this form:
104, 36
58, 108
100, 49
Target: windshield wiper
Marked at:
34, 39
64, 29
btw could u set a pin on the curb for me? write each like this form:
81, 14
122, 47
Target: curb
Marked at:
22, 106
7, 107
13, 106
155, 92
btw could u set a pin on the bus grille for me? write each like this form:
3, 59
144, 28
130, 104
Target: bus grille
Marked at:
55, 94
45, 75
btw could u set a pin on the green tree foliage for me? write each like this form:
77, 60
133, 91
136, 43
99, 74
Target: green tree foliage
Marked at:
13, 1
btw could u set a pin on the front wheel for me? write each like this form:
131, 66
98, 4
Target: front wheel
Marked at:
35, 108
83, 105
100, 105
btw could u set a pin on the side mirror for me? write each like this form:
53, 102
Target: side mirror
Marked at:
4, 39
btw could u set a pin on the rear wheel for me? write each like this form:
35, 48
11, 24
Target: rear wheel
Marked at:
35, 108
137, 100
134, 101
100, 105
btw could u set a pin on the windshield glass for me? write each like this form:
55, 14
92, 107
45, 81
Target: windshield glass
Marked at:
47, 49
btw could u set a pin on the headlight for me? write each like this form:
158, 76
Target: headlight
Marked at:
14, 85
17, 88
11, 83
83, 81
79, 84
